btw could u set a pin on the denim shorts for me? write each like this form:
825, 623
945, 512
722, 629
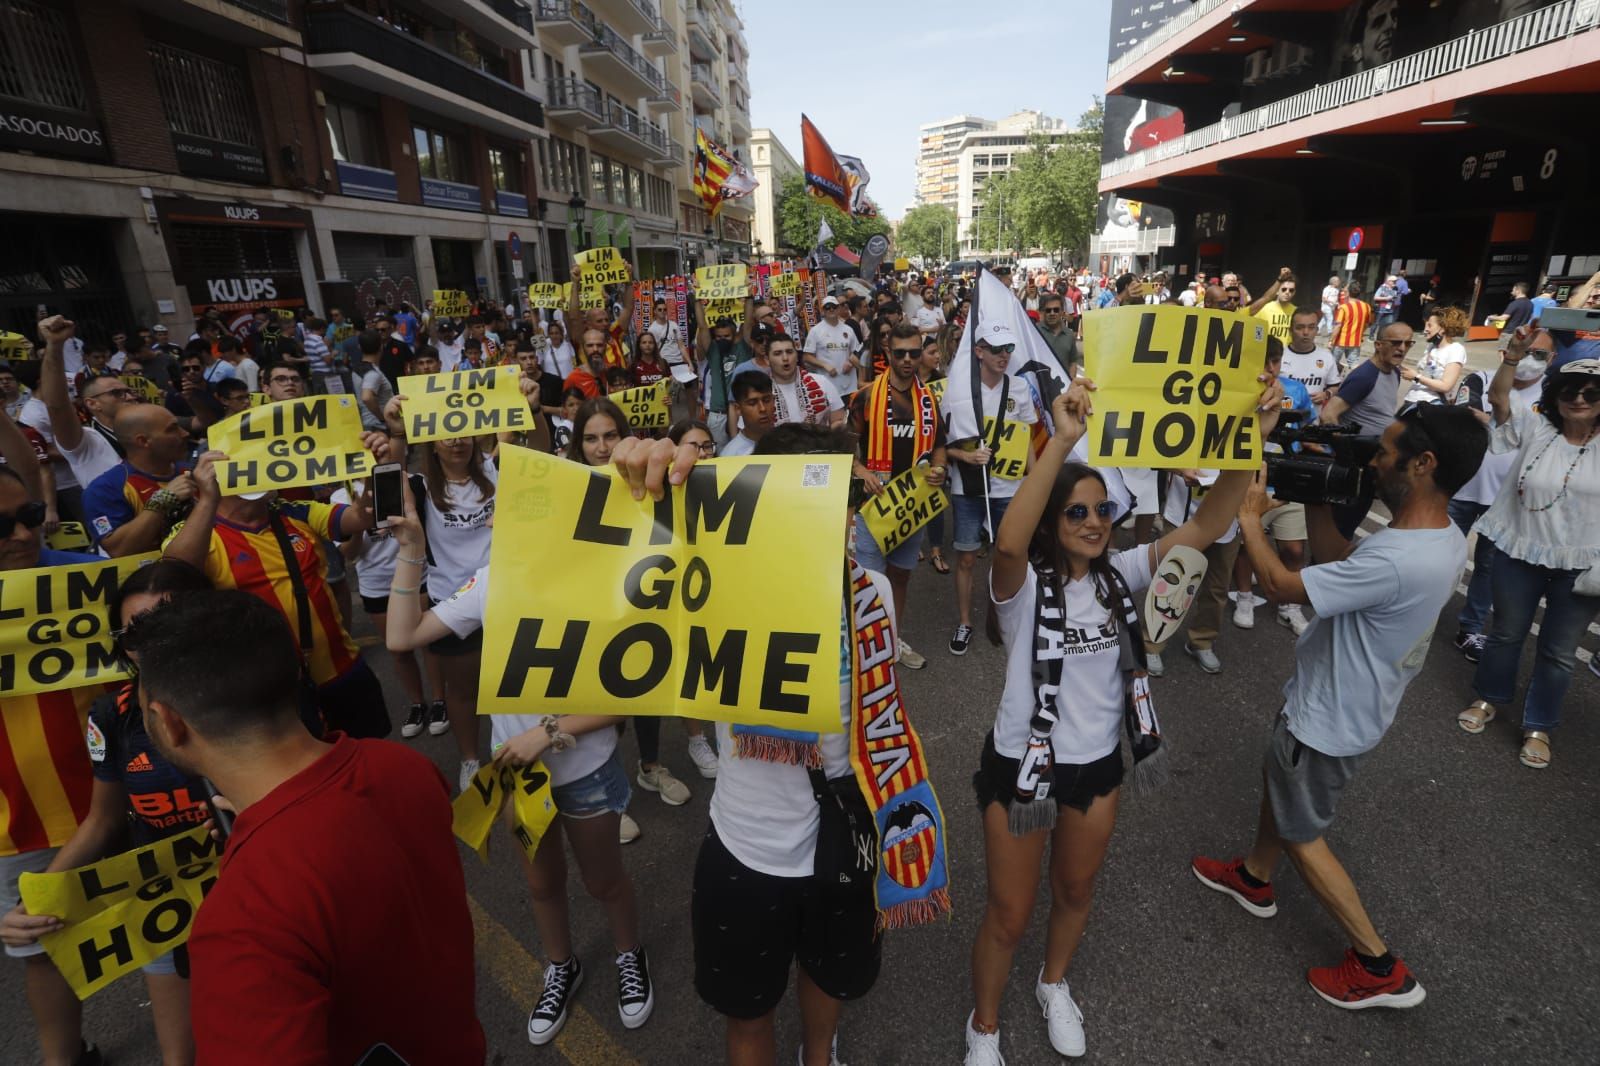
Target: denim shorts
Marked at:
604, 791
870, 555
972, 517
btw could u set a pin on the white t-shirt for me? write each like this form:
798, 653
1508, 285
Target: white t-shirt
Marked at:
926, 319
1183, 500
764, 812
37, 416
1496, 466
450, 354
737, 445
791, 404
667, 339
463, 612
1376, 610
1330, 297
1186, 297
833, 346
458, 539
1433, 366
1019, 408
1317, 369
249, 372
557, 359
1090, 704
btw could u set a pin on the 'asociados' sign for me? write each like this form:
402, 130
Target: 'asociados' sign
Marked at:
48, 131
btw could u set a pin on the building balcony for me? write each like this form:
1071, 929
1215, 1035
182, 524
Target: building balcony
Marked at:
565, 22
631, 133
739, 120
704, 88
574, 103
670, 98
658, 42
609, 52
255, 23
1145, 242
629, 16
703, 35
350, 46
1556, 48
497, 20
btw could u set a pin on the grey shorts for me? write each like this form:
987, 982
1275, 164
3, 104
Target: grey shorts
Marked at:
13, 867
1303, 785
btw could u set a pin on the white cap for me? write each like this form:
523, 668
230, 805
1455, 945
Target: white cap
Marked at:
830, 301
995, 333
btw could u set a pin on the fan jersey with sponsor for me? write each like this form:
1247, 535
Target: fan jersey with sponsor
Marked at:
164, 800
118, 496
1317, 369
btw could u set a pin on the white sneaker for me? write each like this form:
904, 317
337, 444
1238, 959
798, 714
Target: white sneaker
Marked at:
673, 793
910, 658
469, 770
628, 831
983, 1049
1062, 1016
704, 759
833, 1053
1290, 615
1153, 664
1244, 613
1205, 657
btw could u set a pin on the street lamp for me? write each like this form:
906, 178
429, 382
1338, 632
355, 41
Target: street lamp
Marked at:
756, 247
576, 211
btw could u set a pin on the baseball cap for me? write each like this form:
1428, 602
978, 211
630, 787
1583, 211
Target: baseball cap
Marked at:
761, 331
1581, 366
158, 328
830, 301
995, 334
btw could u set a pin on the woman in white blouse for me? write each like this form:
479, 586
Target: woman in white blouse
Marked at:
1438, 376
1545, 524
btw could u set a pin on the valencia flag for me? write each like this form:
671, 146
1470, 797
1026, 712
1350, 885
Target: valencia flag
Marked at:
824, 174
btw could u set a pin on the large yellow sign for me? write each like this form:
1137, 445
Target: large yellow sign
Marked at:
464, 403
645, 406
451, 303
604, 266
315, 440
906, 504
547, 294
123, 912
668, 608
724, 281
54, 629
1175, 387
785, 284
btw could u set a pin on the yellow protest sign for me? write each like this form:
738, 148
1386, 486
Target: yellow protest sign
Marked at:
54, 630
451, 303
1175, 387
283, 314
730, 309
589, 297
723, 281
902, 263
464, 403
472, 813
123, 912
259, 399
314, 440
148, 390
547, 294
604, 266
936, 387
1008, 459
659, 606
342, 332
906, 504
14, 347
69, 537
787, 284
645, 406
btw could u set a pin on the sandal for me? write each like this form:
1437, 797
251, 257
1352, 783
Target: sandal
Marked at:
1535, 758
1477, 715
939, 564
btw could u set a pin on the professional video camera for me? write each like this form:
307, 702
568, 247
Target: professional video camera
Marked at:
1336, 472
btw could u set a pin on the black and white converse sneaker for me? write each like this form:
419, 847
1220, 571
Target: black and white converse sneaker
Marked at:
415, 720
635, 996
561, 983
438, 719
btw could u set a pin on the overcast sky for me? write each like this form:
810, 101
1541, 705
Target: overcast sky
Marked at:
869, 73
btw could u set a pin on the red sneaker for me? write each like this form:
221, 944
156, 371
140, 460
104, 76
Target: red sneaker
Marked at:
1224, 877
1352, 986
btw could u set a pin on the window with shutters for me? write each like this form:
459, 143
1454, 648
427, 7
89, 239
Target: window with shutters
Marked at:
203, 97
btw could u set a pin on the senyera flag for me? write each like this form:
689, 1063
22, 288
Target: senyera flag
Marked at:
718, 174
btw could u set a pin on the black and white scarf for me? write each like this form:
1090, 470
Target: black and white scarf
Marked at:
1036, 768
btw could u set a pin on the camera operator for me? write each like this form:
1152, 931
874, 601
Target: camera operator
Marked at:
1369, 396
1376, 606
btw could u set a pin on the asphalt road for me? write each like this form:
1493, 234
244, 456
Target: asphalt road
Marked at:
1485, 876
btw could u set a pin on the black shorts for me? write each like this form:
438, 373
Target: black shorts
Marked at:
1077, 785
375, 604
749, 926
450, 644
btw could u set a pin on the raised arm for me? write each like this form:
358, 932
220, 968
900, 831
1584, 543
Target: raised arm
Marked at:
1506, 374
55, 332
1011, 540
192, 542
1272, 291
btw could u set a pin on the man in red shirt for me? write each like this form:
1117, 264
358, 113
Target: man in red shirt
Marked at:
340, 881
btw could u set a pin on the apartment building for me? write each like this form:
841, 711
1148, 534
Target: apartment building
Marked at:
990, 152
158, 157
1360, 138
938, 157
715, 68
772, 164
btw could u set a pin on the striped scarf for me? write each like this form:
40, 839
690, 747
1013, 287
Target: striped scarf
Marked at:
813, 401
880, 434
913, 879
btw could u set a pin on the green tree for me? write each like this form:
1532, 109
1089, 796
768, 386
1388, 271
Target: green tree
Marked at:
800, 213
1048, 201
928, 231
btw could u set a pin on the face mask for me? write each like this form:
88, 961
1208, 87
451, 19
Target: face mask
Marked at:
1531, 368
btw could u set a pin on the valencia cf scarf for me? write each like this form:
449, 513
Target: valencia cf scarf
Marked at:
880, 434
913, 878
813, 401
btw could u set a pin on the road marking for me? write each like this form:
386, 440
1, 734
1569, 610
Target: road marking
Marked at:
519, 977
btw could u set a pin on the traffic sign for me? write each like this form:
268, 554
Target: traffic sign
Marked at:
1357, 235
514, 246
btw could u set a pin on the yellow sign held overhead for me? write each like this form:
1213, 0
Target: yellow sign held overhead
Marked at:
723, 281
14, 347
786, 284
547, 294
729, 309
1176, 387
645, 406
604, 266
464, 403
54, 630
313, 440
451, 303
589, 297
650, 605
906, 504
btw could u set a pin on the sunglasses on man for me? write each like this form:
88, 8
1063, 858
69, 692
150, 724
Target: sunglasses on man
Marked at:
1000, 349
30, 515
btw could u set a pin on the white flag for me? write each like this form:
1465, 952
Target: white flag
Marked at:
1033, 361
824, 235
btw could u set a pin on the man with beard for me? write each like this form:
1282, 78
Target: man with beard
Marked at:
589, 378
1377, 602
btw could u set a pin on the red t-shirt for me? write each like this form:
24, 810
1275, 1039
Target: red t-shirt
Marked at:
336, 891
648, 373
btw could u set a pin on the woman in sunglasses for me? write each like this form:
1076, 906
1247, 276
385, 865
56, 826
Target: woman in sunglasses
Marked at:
1545, 525
1052, 767
139, 797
